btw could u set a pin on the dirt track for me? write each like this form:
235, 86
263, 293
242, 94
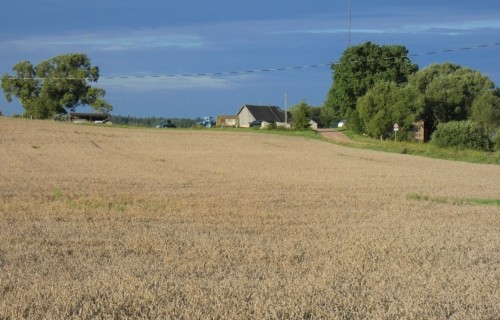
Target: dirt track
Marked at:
334, 135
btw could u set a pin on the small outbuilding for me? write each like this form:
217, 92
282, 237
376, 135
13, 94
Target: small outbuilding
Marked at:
227, 121
79, 117
249, 113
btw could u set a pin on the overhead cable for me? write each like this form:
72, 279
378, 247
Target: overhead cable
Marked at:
229, 73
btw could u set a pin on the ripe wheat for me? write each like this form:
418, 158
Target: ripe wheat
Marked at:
100, 222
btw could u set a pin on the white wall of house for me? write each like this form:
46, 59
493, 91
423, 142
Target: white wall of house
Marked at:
245, 117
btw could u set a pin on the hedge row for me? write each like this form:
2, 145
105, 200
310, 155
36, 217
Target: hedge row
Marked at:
462, 135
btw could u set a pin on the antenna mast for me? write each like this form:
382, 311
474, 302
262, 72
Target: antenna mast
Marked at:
350, 23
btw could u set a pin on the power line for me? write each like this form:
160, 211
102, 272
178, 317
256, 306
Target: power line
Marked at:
456, 49
229, 73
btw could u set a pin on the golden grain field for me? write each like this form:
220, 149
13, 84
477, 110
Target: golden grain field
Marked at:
100, 222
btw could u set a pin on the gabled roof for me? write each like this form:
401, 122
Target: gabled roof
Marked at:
265, 113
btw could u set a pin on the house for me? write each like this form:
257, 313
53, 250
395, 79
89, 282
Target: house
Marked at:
249, 113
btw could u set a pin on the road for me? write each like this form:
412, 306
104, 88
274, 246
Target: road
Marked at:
334, 135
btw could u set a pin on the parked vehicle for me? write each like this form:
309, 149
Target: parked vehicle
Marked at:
255, 123
166, 124
207, 122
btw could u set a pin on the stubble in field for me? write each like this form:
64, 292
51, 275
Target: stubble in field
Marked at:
108, 222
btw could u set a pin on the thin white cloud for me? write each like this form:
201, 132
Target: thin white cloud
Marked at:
444, 28
112, 40
452, 28
165, 83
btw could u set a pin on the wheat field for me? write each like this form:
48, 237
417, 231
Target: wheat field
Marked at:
101, 222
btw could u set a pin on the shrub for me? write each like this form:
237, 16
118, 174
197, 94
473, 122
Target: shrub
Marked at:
462, 135
496, 139
300, 114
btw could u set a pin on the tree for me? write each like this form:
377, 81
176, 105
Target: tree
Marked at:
327, 117
315, 115
447, 92
486, 111
300, 115
359, 68
55, 86
384, 105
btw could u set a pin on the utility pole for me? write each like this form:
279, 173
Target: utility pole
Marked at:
286, 115
349, 23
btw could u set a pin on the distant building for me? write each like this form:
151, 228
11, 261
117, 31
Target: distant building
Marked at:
227, 121
249, 113
79, 117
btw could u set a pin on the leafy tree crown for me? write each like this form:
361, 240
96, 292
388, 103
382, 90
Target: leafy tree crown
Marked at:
56, 85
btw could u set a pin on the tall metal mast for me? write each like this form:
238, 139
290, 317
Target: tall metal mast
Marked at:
349, 23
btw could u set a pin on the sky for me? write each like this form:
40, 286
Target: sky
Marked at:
144, 49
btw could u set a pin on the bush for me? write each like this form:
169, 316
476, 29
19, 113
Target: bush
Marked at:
300, 115
496, 139
462, 135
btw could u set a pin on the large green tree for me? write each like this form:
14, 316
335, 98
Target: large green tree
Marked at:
359, 68
486, 110
437, 94
446, 92
384, 105
56, 85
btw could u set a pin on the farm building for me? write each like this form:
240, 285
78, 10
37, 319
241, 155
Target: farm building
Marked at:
249, 113
78, 117
227, 121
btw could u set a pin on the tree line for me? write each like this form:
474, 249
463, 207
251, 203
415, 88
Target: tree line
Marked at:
152, 121
375, 87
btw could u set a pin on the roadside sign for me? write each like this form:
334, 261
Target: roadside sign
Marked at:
396, 129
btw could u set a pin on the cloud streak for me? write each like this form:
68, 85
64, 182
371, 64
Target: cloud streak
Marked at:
165, 83
445, 28
113, 40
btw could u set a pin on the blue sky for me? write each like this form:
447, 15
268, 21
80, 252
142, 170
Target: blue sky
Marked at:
131, 40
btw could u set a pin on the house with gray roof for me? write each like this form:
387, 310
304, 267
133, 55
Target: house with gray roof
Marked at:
249, 113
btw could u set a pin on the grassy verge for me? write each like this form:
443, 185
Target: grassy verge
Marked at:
426, 150
308, 134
